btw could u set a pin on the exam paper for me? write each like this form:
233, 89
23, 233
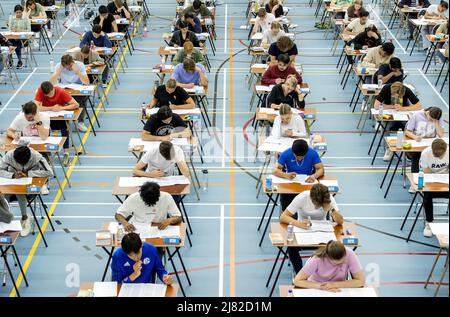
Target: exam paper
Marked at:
424, 142
142, 290
38, 140
105, 289
177, 111
314, 238
77, 87
329, 182
147, 231
54, 114
14, 225
439, 228
432, 178
344, 292
152, 144
317, 226
15, 181
300, 179
163, 181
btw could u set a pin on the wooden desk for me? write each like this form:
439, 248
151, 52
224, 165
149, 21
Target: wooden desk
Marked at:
284, 290
44, 33
419, 24
4, 248
171, 291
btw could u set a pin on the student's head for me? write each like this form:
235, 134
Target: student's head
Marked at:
395, 64
96, 30
118, 3
275, 27
196, 5
433, 113
167, 150
22, 155
320, 195
300, 148
103, 11
372, 31
358, 4
284, 44
290, 84
189, 17
363, 16
171, 85
149, 193
30, 4
397, 90
334, 251
67, 61
443, 6
189, 65
84, 51
165, 114
29, 110
262, 13
18, 11
132, 246
283, 61
285, 113
183, 27
273, 3
188, 47
439, 147
387, 49
47, 88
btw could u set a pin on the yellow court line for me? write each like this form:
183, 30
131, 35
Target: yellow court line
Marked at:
69, 172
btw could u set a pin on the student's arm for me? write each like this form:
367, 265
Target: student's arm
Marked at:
357, 281
337, 217
55, 77
320, 171
184, 169
116, 272
186, 133
273, 58
414, 107
81, 74
189, 104
160, 270
114, 26
146, 136
439, 128
203, 79
139, 171
4, 169
286, 218
10, 132
300, 127
153, 103
42, 169
84, 41
126, 12
301, 280
278, 171
71, 105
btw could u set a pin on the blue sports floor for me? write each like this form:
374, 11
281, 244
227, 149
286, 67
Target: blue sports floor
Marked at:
225, 259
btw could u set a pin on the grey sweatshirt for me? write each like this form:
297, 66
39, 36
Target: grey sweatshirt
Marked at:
5, 214
37, 166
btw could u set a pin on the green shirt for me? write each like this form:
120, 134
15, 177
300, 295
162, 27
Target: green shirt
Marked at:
204, 11
196, 55
23, 25
344, 2
38, 11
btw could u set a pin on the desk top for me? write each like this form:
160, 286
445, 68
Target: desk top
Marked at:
41, 148
95, 69
171, 291
271, 117
284, 290
180, 189
14, 236
292, 188
22, 189
428, 187
76, 115
392, 142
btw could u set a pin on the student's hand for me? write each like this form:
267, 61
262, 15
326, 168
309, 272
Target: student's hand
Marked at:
175, 45
288, 133
11, 49
167, 279
190, 85
164, 224
19, 174
329, 288
167, 138
305, 223
128, 227
279, 81
398, 107
157, 173
397, 73
58, 108
291, 175
276, 107
418, 138
136, 270
310, 179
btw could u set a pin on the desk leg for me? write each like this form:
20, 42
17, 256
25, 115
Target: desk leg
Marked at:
387, 170
56, 177
64, 171
20, 265
185, 213
30, 201
71, 140
433, 267
270, 218
46, 212
110, 253
265, 210
442, 276
278, 274
280, 249
393, 174
177, 251
414, 223
175, 271
409, 210
5, 258
374, 138
383, 132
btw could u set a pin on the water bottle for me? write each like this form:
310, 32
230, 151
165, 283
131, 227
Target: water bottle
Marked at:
311, 139
269, 183
352, 47
52, 65
399, 139
290, 293
92, 45
163, 64
380, 111
290, 233
205, 180
380, 84
120, 235
9, 20
420, 181
143, 110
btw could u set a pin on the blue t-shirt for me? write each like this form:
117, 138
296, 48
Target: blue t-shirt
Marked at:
182, 76
305, 166
122, 266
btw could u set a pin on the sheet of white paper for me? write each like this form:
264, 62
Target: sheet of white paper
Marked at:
400, 116
54, 114
439, 228
38, 140
113, 227
177, 111
260, 66
152, 144
105, 289
314, 238
196, 90
170, 231
300, 179
432, 178
424, 142
145, 230
344, 292
142, 290
329, 182
15, 181
12, 226
163, 181
317, 226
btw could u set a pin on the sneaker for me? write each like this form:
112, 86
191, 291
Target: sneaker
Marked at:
427, 230
19, 64
66, 159
37, 35
81, 127
50, 34
411, 190
26, 226
387, 155
105, 85
44, 190
35, 44
66, 13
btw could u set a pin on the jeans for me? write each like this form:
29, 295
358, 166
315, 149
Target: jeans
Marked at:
18, 44
428, 203
82, 102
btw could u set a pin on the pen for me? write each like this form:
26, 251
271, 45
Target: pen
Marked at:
310, 223
348, 232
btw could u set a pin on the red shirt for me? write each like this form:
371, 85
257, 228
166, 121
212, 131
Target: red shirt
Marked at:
273, 72
61, 97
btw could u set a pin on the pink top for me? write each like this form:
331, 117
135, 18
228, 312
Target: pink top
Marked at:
322, 270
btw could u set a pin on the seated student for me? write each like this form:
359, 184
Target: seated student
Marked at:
90, 58
69, 71
24, 162
30, 122
182, 35
434, 12
314, 204
299, 159
413, 15
35, 10
272, 35
284, 45
106, 20
190, 74
354, 10
160, 161
19, 23
50, 98
119, 10
198, 9
263, 20
329, 269
275, 7
391, 72
427, 123
358, 25
288, 124
189, 51
277, 74
6, 216
164, 126
148, 206
49, 15
5, 43
171, 95
368, 38
143, 262
192, 22
379, 55
434, 160
287, 93
95, 37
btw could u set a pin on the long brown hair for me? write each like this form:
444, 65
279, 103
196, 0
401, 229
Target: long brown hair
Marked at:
334, 250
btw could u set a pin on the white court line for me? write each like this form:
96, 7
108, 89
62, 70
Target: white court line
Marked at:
17, 91
77, 18
225, 39
237, 218
221, 249
432, 87
387, 29
224, 117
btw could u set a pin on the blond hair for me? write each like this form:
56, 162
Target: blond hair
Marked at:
171, 83
291, 80
398, 88
285, 109
275, 25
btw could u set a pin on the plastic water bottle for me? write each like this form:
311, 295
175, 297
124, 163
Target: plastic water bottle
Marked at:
352, 47
380, 83
143, 110
290, 293
311, 139
163, 64
420, 181
290, 233
269, 183
380, 111
52, 65
399, 139
205, 180
92, 45
120, 235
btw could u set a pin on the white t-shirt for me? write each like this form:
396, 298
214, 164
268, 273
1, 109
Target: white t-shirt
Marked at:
433, 9
435, 164
304, 207
356, 26
269, 37
264, 24
29, 128
155, 160
135, 206
296, 125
